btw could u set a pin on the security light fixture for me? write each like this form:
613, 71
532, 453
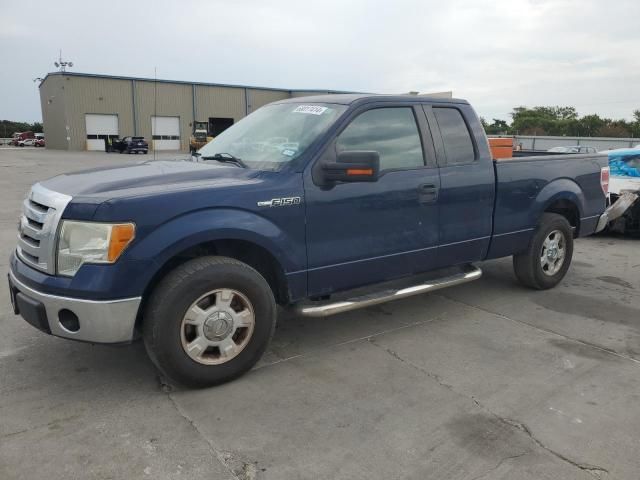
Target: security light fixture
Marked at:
62, 64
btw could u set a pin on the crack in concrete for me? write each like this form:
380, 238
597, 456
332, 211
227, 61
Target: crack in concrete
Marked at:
431, 375
52, 424
594, 470
540, 329
238, 468
347, 342
499, 464
11, 434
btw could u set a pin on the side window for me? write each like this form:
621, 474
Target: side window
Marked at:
392, 132
455, 136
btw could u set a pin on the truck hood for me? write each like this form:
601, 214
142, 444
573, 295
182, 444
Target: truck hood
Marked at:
148, 178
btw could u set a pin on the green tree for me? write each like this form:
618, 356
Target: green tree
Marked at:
589, 125
563, 121
635, 126
498, 127
8, 127
614, 129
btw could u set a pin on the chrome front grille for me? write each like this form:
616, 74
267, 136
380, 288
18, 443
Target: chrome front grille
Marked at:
41, 213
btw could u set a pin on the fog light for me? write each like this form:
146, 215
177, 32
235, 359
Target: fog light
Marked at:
68, 320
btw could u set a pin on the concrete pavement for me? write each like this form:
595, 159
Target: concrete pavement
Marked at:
486, 380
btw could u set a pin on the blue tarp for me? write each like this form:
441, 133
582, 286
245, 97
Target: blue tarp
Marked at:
625, 163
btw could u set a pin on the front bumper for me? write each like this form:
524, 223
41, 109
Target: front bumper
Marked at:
105, 321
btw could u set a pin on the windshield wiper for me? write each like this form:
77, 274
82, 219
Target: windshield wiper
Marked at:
226, 158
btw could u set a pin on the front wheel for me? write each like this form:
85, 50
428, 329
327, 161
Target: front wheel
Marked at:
548, 256
209, 321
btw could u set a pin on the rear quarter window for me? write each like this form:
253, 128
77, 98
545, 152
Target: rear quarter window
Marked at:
456, 137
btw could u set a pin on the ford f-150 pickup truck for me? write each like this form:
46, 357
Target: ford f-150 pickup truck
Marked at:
320, 204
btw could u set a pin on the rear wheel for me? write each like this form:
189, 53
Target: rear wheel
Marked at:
548, 257
209, 321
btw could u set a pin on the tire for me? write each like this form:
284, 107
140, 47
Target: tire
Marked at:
529, 265
174, 343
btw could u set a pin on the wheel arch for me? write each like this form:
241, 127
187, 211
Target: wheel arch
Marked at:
564, 197
254, 255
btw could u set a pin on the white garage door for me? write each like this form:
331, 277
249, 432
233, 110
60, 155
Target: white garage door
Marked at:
99, 127
165, 132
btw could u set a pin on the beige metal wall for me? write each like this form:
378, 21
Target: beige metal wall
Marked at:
224, 102
257, 98
66, 99
54, 118
163, 99
96, 95
308, 93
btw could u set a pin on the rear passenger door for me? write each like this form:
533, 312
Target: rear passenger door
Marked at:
466, 184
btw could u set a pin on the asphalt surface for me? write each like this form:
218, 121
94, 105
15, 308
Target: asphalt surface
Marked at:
483, 381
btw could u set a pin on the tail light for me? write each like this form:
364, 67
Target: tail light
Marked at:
604, 180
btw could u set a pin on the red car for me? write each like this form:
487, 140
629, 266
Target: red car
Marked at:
20, 136
39, 142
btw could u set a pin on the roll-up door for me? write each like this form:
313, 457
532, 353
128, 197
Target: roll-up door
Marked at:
165, 133
99, 127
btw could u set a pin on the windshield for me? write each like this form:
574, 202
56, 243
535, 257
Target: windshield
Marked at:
274, 135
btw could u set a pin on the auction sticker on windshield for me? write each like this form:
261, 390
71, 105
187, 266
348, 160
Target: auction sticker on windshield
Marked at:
310, 109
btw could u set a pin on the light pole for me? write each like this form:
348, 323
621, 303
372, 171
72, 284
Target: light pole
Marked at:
62, 64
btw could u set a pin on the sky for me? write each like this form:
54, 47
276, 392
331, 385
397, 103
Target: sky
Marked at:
497, 54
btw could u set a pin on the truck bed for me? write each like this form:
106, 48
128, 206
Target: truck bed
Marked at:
525, 186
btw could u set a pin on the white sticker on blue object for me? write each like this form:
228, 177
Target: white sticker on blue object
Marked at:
310, 109
289, 153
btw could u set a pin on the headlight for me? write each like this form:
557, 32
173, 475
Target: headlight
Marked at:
89, 242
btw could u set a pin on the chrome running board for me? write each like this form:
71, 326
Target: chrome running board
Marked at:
324, 309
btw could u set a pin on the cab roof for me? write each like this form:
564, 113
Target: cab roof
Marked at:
353, 98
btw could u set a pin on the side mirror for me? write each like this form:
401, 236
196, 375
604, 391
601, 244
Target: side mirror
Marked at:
353, 166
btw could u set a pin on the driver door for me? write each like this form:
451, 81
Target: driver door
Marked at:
369, 232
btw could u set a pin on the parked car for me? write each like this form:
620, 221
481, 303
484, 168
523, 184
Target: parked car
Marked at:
39, 142
381, 198
131, 145
573, 149
29, 142
19, 136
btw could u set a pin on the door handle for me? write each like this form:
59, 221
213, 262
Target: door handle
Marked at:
427, 193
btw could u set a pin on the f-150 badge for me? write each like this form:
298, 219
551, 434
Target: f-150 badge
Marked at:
280, 202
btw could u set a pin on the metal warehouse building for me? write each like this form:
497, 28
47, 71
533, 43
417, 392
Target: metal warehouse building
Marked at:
80, 110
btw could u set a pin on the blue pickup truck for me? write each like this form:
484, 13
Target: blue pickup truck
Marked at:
319, 204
